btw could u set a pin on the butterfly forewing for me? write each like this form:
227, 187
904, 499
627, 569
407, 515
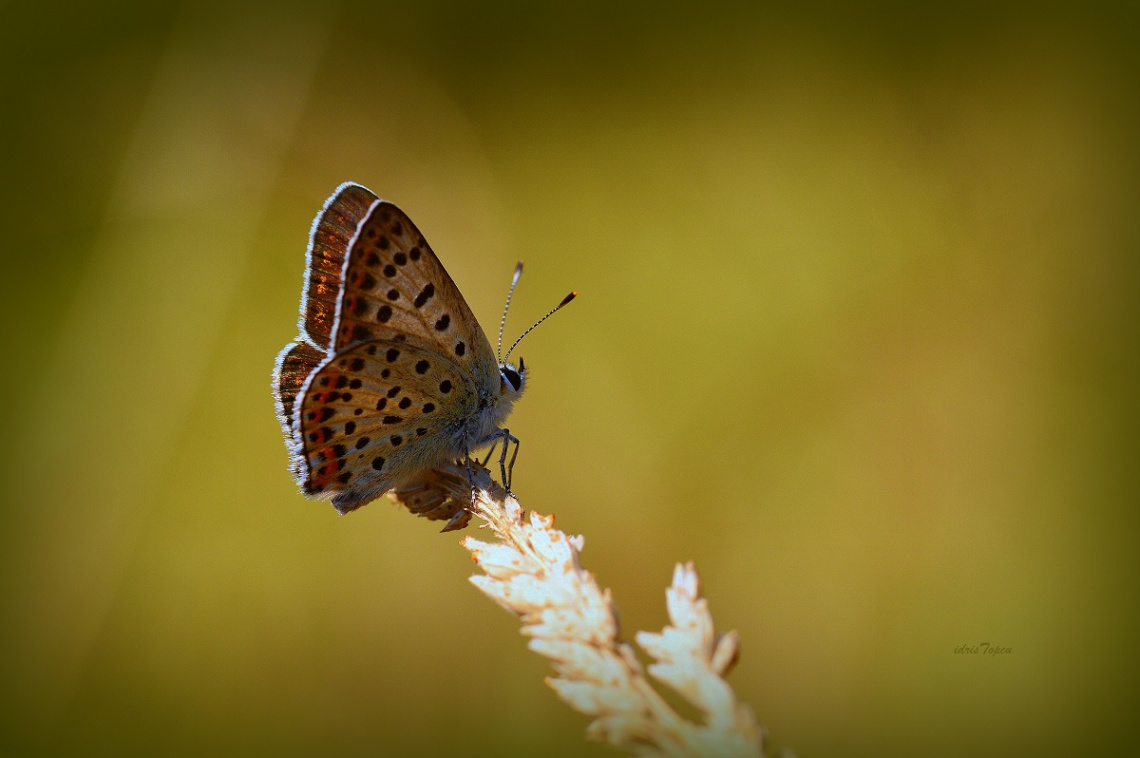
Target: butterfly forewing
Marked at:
376, 413
394, 284
332, 232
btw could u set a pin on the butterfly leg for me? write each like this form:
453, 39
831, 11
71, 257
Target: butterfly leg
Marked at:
511, 465
505, 438
470, 475
490, 452
504, 470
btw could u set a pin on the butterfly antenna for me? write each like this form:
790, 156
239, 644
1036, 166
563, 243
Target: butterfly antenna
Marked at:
557, 308
503, 320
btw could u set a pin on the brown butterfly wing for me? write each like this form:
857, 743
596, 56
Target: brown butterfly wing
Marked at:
375, 414
329, 238
332, 232
395, 285
294, 365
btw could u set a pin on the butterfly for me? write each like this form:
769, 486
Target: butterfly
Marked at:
391, 374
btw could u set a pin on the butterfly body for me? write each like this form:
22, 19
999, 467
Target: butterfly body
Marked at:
391, 374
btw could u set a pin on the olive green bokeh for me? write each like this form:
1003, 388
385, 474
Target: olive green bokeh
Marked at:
857, 332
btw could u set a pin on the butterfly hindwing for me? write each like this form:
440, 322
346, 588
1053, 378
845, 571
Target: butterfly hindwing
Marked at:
332, 232
294, 365
374, 414
395, 285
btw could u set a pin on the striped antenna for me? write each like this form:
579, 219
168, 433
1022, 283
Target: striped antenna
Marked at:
557, 308
503, 320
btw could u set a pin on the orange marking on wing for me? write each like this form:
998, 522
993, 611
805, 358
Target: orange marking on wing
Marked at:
324, 475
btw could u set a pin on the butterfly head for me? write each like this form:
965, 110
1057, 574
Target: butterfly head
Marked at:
512, 379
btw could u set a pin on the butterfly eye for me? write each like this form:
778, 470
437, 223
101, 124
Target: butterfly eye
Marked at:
512, 377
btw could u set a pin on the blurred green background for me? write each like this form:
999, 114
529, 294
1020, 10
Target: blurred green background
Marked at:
857, 333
